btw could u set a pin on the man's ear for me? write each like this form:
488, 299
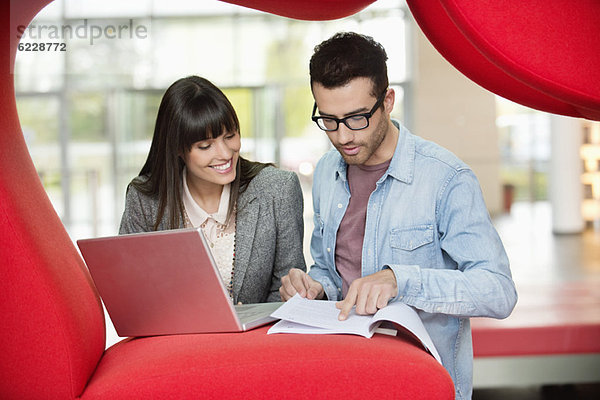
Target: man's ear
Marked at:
389, 100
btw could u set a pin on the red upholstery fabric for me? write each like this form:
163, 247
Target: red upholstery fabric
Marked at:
457, 49
548, 319
254, 365
313, 10
52, 332
545, 55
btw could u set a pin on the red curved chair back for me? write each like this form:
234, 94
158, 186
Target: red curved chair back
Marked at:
53, 331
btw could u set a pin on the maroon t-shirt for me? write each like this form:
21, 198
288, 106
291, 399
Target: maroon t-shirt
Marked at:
362, 180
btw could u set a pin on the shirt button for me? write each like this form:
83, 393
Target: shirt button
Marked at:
339, 205
329, 250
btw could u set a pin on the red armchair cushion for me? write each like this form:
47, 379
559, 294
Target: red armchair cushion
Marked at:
254, 365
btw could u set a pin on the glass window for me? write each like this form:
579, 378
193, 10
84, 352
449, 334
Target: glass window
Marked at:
40, 126
524, 136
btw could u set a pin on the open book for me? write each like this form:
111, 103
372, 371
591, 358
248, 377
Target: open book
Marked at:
300, 315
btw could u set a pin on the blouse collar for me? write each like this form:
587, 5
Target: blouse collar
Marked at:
196, 214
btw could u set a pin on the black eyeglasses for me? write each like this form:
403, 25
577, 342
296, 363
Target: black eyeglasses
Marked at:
354, 122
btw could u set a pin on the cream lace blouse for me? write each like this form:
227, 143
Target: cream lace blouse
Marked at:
219, 235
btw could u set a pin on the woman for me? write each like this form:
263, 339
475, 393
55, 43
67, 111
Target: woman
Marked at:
249, 212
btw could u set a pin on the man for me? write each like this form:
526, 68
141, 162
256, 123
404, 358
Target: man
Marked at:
397, 218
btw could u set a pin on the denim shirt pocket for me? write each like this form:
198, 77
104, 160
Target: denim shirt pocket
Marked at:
413, 245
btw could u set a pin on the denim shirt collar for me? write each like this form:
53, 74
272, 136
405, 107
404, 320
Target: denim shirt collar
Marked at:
402, 165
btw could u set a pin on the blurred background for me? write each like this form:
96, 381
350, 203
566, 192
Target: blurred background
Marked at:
88, 112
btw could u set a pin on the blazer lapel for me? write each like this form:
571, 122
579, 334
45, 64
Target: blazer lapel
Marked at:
248, 209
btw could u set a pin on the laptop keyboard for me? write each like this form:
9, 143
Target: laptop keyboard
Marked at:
248, 311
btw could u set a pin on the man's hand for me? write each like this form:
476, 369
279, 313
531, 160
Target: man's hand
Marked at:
369, 294
298, 281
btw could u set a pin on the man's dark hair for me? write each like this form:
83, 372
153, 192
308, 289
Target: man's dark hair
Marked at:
346, 56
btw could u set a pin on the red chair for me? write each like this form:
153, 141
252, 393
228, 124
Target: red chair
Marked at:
544, 55
52, 340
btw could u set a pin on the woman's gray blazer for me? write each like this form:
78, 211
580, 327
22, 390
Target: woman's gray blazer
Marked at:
269, 232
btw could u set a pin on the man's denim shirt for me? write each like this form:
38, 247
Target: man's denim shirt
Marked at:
427, 221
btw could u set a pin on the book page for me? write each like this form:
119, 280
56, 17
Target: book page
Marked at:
284, 326
408, 318
323, 314
300, 315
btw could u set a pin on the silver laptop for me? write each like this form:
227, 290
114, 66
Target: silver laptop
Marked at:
165, 282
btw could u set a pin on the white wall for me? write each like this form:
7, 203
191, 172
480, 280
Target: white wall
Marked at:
459, 115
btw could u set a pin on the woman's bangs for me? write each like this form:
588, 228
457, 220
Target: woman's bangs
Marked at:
206, 120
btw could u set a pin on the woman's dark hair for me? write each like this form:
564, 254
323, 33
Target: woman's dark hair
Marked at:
192, 109
346, 56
